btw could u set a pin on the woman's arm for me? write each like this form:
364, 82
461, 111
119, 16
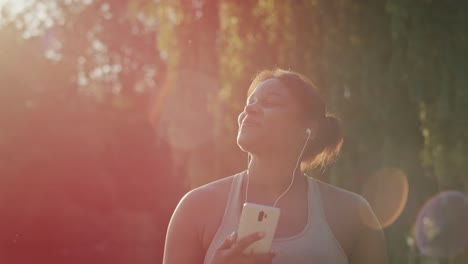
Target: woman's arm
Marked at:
369, 247
183, 239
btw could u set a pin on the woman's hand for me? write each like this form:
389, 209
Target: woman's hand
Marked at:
231, 252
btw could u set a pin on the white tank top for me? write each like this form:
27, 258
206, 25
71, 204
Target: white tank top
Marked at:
314, 244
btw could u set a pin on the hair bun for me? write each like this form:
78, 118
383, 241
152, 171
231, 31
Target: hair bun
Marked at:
328, 141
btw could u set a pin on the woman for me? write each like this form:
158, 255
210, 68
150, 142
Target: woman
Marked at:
284, 124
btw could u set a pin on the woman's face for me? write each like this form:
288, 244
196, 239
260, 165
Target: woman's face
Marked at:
271, 120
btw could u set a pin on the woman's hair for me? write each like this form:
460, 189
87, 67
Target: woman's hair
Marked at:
328, 139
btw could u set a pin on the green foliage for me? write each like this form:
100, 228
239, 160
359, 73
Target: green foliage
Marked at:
82, 176
392, 70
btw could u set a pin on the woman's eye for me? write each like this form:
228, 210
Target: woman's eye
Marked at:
265, 102
270, 102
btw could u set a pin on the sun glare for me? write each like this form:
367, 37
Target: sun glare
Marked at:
10, 9
13, 7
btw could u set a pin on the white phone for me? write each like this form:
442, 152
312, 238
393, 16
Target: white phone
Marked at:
258, 218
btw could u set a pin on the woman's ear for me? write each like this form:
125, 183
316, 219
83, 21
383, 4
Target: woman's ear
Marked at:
308, 133
311, 131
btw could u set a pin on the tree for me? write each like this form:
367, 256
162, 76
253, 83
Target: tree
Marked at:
374, 61
84, 177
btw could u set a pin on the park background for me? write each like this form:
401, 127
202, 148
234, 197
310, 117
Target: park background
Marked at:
111, 110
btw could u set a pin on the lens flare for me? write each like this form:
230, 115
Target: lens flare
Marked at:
387, 192
440, 228
183, 110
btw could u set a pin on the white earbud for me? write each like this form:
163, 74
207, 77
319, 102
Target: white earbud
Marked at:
308, 131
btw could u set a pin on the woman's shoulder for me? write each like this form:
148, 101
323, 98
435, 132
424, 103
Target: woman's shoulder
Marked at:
210, 193
214, 188
205, 206
344, 202
339, 194
348, 214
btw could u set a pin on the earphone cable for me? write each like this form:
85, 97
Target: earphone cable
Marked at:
292, 178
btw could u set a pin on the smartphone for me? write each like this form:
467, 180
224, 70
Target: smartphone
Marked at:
258, 218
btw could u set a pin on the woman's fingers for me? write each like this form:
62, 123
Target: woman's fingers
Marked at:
229, 241
231, 251
245, 242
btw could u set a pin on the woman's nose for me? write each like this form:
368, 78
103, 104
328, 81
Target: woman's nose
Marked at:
251, 108
240, 118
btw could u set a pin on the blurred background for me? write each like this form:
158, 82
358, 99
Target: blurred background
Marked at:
111, 110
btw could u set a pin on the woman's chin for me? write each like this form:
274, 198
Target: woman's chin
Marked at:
246, 143
251, 144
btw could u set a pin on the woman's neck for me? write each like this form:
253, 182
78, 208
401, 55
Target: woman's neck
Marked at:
272, 175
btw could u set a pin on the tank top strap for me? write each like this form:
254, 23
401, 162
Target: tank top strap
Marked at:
231, 212
315, 201
320, 218
230, 219
316, 210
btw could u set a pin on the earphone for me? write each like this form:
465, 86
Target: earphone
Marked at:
308, 131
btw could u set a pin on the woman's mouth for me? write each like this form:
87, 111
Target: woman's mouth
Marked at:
250, 123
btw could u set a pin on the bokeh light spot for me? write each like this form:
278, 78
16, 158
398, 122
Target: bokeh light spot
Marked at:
440, 228
387, 192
